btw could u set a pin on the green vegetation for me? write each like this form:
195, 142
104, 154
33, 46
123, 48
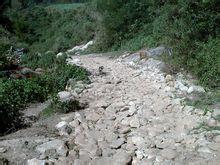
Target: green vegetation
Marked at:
204, 100
15, 94
203, 127
190, 28
127, 25
180, 24
60, 107
68, 6
43, 31
51, 29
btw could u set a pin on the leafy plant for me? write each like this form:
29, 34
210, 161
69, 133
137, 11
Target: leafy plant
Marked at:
15, 94
182, 25
46, 28
57, 106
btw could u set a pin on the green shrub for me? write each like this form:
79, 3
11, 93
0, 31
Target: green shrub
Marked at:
15, 94
37, 60
57, 106
40, 29
182, 25
68, 6
121, 19
207, 61
51, 29
138, 42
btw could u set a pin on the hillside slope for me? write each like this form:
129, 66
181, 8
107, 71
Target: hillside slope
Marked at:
133, 117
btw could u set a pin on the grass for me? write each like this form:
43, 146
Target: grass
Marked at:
204, 127
47, 112
57, 106
68, 6
113, 54
138, 42
217, 118
205, 100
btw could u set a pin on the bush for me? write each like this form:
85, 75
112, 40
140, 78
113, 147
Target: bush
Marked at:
121, 19
207, 61
40, 29
182, 25
48, 28
15, 94
57, 106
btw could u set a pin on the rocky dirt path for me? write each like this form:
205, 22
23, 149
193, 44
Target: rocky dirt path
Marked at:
132, 119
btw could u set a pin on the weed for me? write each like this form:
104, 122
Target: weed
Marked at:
57, 106
204, 100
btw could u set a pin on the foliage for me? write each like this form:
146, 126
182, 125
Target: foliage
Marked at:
57, 106
207, 61
180, 24
39, 29
65, 107
116, 25
15, 94
6, 41
205, 99
46, 28
68, 6
121, 19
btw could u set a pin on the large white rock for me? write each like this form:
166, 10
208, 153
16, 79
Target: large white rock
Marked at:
63, 128
61, 124
60, 54
125, 122
182, 87
137, 140
153, 65
132, 108
154, 52
204, 150
217, 139
216, 113
110, 136
139, 154
58, 145
168, 153
87, 45
131, 63
214, 146
80, 47
75, 61
134, 123
117, 143
78, 117
35, 161
64, 96
67, 118
121, 157
3, 150
196, 89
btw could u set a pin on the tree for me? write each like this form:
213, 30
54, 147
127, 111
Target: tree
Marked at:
4, 4
5, 22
